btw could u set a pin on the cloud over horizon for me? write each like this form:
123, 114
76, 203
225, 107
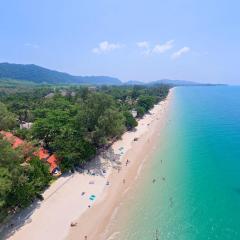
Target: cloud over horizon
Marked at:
105, 46
180, 52
156, 49
161, 48
145, 46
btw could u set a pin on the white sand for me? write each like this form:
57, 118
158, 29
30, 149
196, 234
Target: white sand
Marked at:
63, 202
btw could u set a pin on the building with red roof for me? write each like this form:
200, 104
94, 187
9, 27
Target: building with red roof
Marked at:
15, 141
42, 153
52, 160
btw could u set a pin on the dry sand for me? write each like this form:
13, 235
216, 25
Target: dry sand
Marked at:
64, 203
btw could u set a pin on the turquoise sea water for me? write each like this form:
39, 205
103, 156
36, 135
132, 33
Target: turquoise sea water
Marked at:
196, 195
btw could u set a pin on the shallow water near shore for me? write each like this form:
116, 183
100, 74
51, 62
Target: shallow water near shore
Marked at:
195, 194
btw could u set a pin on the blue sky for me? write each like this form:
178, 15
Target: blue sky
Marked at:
196, 40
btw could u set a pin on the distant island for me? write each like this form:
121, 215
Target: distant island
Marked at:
32, 74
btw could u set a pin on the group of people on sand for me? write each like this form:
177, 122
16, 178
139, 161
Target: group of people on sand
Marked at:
73, 224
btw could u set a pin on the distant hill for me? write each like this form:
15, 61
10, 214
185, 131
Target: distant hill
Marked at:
133, 82
40, 75
15, 74
164, 81
175, 82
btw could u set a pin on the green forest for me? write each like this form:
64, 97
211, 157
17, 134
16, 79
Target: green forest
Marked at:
73, 122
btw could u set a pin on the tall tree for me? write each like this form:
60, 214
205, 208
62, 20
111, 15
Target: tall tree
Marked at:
7, 119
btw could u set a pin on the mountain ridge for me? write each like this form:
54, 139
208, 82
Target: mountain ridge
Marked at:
40, 75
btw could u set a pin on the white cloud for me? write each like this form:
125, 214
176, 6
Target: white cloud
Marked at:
145, 46
31, 45
180, 52
105, 46
161, 48
157, 49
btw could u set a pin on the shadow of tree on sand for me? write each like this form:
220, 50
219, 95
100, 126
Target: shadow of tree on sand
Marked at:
98, 165
21, 218
103, 161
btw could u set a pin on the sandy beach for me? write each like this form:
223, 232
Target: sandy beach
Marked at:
90, 199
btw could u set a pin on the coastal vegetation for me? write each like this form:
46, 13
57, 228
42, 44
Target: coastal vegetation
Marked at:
73, 122
19, 183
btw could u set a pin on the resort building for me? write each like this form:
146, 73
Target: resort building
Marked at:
14, 141
42, 153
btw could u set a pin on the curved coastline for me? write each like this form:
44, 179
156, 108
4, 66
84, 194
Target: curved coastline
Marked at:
95, 222
63, 200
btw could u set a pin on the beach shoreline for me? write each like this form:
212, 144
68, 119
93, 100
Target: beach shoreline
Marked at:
69, 200
95, 222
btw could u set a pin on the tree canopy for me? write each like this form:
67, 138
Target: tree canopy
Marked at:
71, 122
8, 120
19, 183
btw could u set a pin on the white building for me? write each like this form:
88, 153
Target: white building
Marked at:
26, 125
134, 113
